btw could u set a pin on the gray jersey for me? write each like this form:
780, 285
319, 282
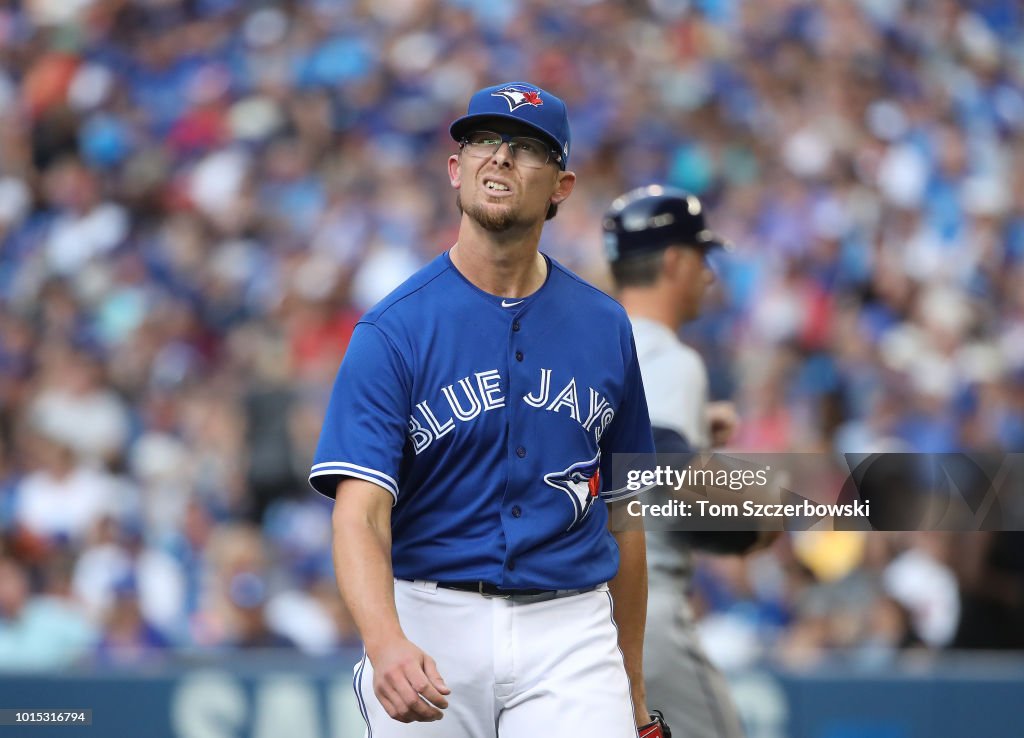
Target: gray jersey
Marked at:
677, 374
680, 681
676, 384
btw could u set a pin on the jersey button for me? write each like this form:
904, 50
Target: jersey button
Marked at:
516, 511
511, 565
515, 326
519, 355
521, 452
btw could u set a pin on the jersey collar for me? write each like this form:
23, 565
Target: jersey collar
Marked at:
510, 305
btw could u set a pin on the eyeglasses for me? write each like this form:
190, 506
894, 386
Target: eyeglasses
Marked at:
527, 151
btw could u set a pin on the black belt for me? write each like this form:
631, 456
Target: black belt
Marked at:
492, 590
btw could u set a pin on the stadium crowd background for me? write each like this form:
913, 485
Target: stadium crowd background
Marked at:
199, 197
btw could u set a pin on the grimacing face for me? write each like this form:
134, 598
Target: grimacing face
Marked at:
501, 195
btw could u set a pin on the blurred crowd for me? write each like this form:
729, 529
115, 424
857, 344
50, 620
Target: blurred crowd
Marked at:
198, 198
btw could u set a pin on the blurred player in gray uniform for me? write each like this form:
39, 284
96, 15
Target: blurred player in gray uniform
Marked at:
656, 241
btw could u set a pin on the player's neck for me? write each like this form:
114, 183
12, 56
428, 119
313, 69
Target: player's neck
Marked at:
506, 268
643, 303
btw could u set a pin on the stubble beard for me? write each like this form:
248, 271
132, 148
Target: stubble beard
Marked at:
495, 221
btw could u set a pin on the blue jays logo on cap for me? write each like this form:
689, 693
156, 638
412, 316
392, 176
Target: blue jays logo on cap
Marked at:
581, 482
524, 103
519, 95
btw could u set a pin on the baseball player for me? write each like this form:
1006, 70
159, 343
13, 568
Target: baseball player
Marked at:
467, 445
656, 241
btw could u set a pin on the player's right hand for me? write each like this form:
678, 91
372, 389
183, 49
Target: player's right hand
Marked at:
407, 683
723, 419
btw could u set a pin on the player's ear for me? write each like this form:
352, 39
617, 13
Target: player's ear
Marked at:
670, 260
455, 171
566, 181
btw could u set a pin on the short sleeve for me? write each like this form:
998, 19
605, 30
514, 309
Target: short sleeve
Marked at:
628, 436
678, 379
365, 426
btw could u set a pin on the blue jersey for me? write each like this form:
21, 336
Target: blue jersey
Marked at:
491, 422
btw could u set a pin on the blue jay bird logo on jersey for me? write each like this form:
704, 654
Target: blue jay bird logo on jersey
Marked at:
582, 483
519, 95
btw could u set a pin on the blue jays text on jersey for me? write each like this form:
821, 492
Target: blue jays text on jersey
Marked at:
482, 393
492, 423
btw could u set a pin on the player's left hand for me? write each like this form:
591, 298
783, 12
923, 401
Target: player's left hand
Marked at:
657, 728
722, 422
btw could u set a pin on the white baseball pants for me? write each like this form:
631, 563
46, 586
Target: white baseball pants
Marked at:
516, 670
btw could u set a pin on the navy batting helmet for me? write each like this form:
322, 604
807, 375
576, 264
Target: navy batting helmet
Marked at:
652, 218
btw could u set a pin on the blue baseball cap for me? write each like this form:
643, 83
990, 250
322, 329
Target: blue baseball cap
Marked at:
523, 103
